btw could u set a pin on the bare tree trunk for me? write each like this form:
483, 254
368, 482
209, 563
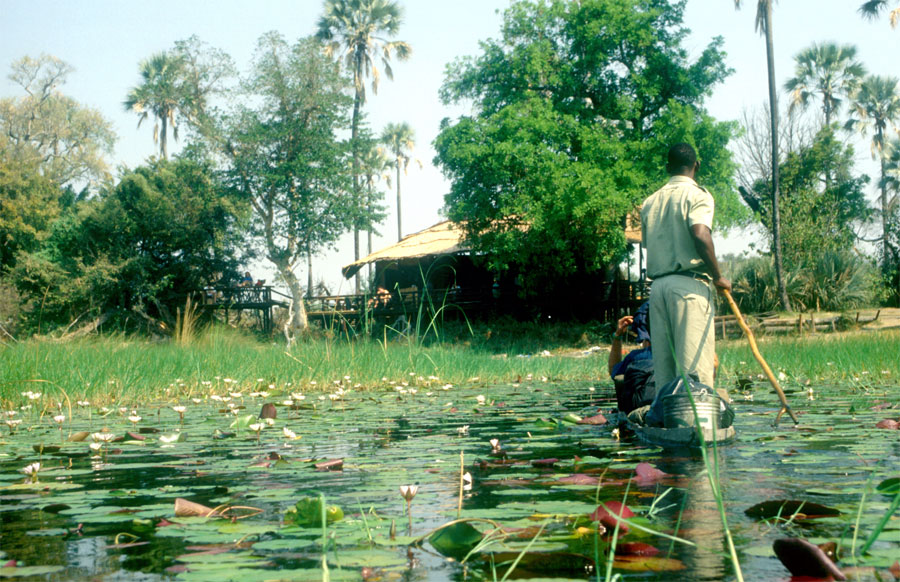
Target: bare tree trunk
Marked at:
163, 149
776, 178
885, 213
354, 144
309, 274
299, 320
399, 221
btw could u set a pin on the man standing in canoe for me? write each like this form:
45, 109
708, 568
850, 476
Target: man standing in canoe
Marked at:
676, 226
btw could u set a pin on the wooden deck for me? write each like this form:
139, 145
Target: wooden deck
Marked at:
259, 298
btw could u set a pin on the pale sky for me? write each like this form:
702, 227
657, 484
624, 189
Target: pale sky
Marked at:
106, 39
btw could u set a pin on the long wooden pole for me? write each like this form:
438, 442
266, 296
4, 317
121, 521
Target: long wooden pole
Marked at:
759, 358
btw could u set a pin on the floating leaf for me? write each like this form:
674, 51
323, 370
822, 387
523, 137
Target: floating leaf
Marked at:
578, 479
331, 465
14, 572
803, 558
645, 473
308, 513
455, 540
636, 549
889, 486
888, 423
648, 564
609, 513
784, 509
594, 420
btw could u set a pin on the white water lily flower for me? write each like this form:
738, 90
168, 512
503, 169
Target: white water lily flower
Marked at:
228, 380
179, 409
12, 423
256, 427
615, 433
288, 402
103, 437
236, 394
480, 398
83, 403
467, 481
288, 433
495, 443
462, 430
446, 386
31, 470
170, 438
408, 492
134, 418
59, 418
263, 394
215, 397
11, 413
96, 446
270, 422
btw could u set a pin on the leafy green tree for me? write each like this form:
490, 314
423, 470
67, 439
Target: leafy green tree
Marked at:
764, 23
891, 156
824, 203
205, 73
164, 231
827, 71
359, 31
285, 159
577, 105
66, 141
29, 203
400, 140
376, 166
873, 8
877, 108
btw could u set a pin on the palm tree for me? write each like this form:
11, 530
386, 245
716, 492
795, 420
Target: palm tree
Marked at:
160, 94
873, 8
764, 25
828, 71
400, 139
877, 106
360, 29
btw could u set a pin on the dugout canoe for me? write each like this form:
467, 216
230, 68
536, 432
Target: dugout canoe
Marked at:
682, 437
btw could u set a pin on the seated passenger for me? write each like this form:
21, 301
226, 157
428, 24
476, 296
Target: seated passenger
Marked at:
633, 374
381, 299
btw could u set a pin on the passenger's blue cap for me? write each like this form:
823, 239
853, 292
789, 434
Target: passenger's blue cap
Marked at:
641, 323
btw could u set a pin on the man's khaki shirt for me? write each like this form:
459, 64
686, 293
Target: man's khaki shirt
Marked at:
666, 220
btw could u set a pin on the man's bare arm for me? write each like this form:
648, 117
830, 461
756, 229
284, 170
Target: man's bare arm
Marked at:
706, 249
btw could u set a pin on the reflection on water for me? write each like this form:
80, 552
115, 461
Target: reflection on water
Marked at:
387, 441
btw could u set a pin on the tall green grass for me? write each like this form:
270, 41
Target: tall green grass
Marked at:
870, 357
115, 368
111, 368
